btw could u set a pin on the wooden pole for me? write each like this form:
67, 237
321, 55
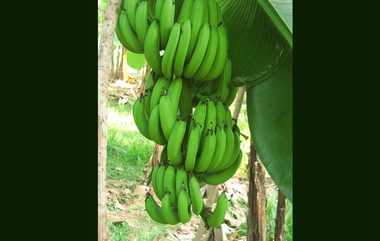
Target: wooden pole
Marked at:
104, 76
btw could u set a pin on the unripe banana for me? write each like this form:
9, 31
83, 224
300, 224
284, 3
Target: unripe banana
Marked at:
228, 117
192, 147
211, 115
219, 149
199, 52
169, 184
149, 82
183, 207
155, 131
236, 148
210, 55
222, 89
231, 95
142, 21
220, 114
140, 118
185, 11
131, 6
128, 36
166, 20
153, 210
168, 213
213, 13
160, 181
168, 115
219, 13
174, 92
151, 4
205, 14
200, 113
196, 18
221, 55
152, 47
158, 90
181, 181
170, 50
158, 8
195, 195
222, 176
146, 101
175, 143
183, 46
230, 144
217, 217
207, 152
186, 101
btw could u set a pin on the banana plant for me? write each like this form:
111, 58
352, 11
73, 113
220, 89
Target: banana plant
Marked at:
261, 49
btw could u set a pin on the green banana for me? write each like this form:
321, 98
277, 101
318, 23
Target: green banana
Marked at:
168, 115
195, 195
151, 4
169, 184
183, 46
196, 18
128, 36
217, 217
199, 52
160, 181
131, 7
170, 50
149, 82
205, 14
211, 115
174, 92
181, 181
220, 114
157, 91
183, 207
140, 118
221, 55
200, 113
168, 213
155, 131
236, 148
210, 55
153, 210
222, 89
229, 148
219, 149
213, 13
158, 8
185, 12
207, 152
147, 104
152, 47
219, 13
166, 20
142, 21
175, 142
222, 176
231, 95
192, 147
228, 117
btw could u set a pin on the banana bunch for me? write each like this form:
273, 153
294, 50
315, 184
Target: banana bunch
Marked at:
185, 103
179, 194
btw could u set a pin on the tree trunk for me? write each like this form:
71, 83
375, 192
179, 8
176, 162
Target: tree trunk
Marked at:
212, 191
121, 66
280, 218
256, 198
104, 75
117, 63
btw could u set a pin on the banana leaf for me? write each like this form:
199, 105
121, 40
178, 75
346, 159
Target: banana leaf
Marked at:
261, 50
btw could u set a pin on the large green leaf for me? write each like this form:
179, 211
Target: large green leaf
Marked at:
260, 47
